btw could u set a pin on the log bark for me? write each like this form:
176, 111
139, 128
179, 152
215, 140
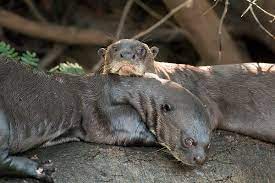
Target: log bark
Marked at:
232, 158
204, 29
63, 34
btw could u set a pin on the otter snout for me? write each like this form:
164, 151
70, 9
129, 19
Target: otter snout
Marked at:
127, 55
127, 70
199, 159
190, 157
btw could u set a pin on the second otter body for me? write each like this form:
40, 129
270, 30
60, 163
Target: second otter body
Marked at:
239, 98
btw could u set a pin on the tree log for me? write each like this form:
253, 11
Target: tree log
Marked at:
232, 158
69, 35
204, 29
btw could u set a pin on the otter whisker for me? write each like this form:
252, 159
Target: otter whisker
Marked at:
160, 149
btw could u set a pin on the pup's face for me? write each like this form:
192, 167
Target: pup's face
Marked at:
183, 126
128, 57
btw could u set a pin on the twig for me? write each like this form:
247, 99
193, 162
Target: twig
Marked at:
34, 10
123, 17
250, 8
153, 13
220, 29
57, 49
56, 33
125, 12
160, 22
52, 54
68, 12
212, 7
260, 25
157, 16
247, 9
260, 8
98, 66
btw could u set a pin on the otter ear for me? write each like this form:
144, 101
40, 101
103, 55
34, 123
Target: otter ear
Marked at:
154, 50
101, 52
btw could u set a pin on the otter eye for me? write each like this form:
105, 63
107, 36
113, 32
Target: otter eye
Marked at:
189, 142
142, 51
166, 108
115, 48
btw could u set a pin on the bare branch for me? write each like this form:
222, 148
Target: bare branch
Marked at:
260, 8
260, 24
212, 7
123, 17
220, 29
53, 53
34, 10
164, 19
98, 67
154, 14
157, 16
250, 8
64, 34
57, 49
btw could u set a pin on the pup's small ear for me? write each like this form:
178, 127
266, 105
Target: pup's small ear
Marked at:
155, 51
101, 52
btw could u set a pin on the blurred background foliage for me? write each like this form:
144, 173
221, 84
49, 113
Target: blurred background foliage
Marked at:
31, 59
72, 31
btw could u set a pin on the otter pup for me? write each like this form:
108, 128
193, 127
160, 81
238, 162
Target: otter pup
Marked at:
128, 57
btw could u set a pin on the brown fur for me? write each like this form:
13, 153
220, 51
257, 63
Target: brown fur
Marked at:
133, 58
36, 108
238, 98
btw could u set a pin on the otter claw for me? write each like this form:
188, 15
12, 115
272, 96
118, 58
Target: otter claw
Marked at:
45, 178
46, 162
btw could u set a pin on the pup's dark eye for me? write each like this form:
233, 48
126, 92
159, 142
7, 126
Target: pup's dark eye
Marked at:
166, 107
189, 142
142, 51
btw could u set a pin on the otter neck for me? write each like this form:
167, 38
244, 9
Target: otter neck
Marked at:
133, 92
150, 66
198, 81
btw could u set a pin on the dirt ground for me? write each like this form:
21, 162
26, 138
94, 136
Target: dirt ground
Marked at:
232, 158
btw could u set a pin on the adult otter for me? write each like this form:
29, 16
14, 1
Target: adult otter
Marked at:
238, 98
36, 109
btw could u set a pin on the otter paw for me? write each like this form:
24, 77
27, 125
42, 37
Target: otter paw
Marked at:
44, 171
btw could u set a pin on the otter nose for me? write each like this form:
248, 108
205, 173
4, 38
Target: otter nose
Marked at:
127, 55
199, 159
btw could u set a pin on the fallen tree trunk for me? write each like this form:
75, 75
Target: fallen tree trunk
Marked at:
68, 35
204, 29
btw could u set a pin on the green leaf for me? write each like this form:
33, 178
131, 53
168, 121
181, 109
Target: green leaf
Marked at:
29, 58
68, 68
8, 51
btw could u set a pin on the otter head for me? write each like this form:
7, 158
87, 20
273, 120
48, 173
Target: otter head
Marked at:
183, 125
177, 118
128, 57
